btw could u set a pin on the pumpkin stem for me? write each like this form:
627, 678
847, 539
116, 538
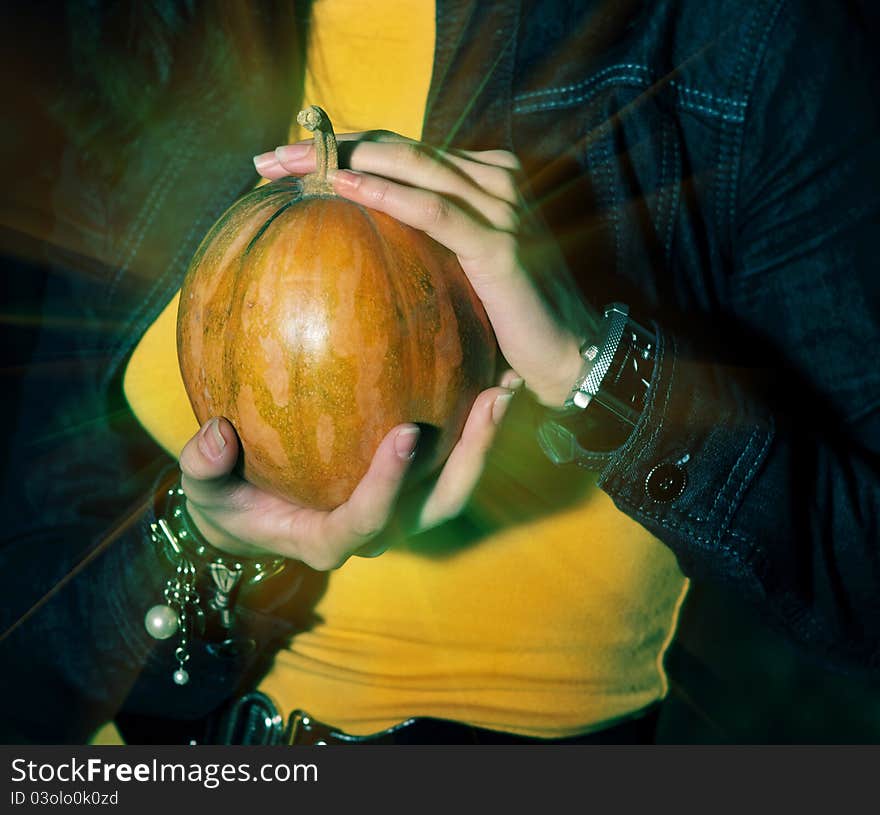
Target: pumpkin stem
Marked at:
315, 120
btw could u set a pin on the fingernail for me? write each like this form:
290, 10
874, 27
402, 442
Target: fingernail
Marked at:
292, 152
515, 383
212, 442
345, 178
499, 407
405, 442
264, 160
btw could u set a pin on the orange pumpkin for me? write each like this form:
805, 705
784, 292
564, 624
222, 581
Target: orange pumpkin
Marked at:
315, 325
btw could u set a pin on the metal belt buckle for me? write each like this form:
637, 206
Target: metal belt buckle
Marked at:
303, 729
251, 719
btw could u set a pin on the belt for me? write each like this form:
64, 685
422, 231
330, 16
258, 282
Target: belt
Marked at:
254, 719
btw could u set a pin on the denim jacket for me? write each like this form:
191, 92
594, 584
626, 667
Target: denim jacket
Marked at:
713, 165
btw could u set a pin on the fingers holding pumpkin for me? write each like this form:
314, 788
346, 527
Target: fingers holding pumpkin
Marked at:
484, 179
435, 214
299, 158
511, 380
356, 523
240, 518
489, 187
222, 505
465, 464
323, 540
206, 464
488, 191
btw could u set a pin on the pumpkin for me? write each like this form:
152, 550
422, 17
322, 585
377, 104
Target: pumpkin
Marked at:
315, 326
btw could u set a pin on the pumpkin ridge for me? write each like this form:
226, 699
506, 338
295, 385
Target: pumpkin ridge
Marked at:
234, 323
399, 300
262, 230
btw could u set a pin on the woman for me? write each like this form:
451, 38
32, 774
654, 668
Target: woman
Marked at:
653, 146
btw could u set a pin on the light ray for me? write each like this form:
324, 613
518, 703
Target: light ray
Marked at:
132, 516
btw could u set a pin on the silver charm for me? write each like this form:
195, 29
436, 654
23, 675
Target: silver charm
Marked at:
182, 613
225, 579
182, 599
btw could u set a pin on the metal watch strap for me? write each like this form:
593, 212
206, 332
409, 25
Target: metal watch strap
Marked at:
598, 356
609, 396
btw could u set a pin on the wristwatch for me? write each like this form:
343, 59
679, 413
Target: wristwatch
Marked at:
609, 396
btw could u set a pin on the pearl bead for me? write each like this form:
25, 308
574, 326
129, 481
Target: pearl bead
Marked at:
161, 622
181, 677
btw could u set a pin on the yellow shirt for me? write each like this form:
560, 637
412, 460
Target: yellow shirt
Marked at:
546, 626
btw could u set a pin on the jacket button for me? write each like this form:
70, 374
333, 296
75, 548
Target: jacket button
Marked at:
665, 482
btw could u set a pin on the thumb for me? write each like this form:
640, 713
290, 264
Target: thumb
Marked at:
211, 453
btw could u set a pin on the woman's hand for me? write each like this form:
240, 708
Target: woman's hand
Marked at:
469, 202
242, 519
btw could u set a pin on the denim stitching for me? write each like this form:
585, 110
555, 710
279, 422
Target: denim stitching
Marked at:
612, 191
737, 148
676, 190
683, 89
148, 214
759, 458
744, 47
732, 473
668, 523
725, 170
668, 189
135, 233
718, 187
674, 362
594, 461
725, 195
640, 82
720, 100
662, 182
626, 66
727, 117
721, 190
161, 191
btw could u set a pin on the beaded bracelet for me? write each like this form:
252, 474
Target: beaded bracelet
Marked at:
178, 541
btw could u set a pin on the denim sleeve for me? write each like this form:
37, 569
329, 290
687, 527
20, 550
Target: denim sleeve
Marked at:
80, 573
763, 470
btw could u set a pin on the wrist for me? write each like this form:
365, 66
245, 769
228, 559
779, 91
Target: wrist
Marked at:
566, 364
200, 529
